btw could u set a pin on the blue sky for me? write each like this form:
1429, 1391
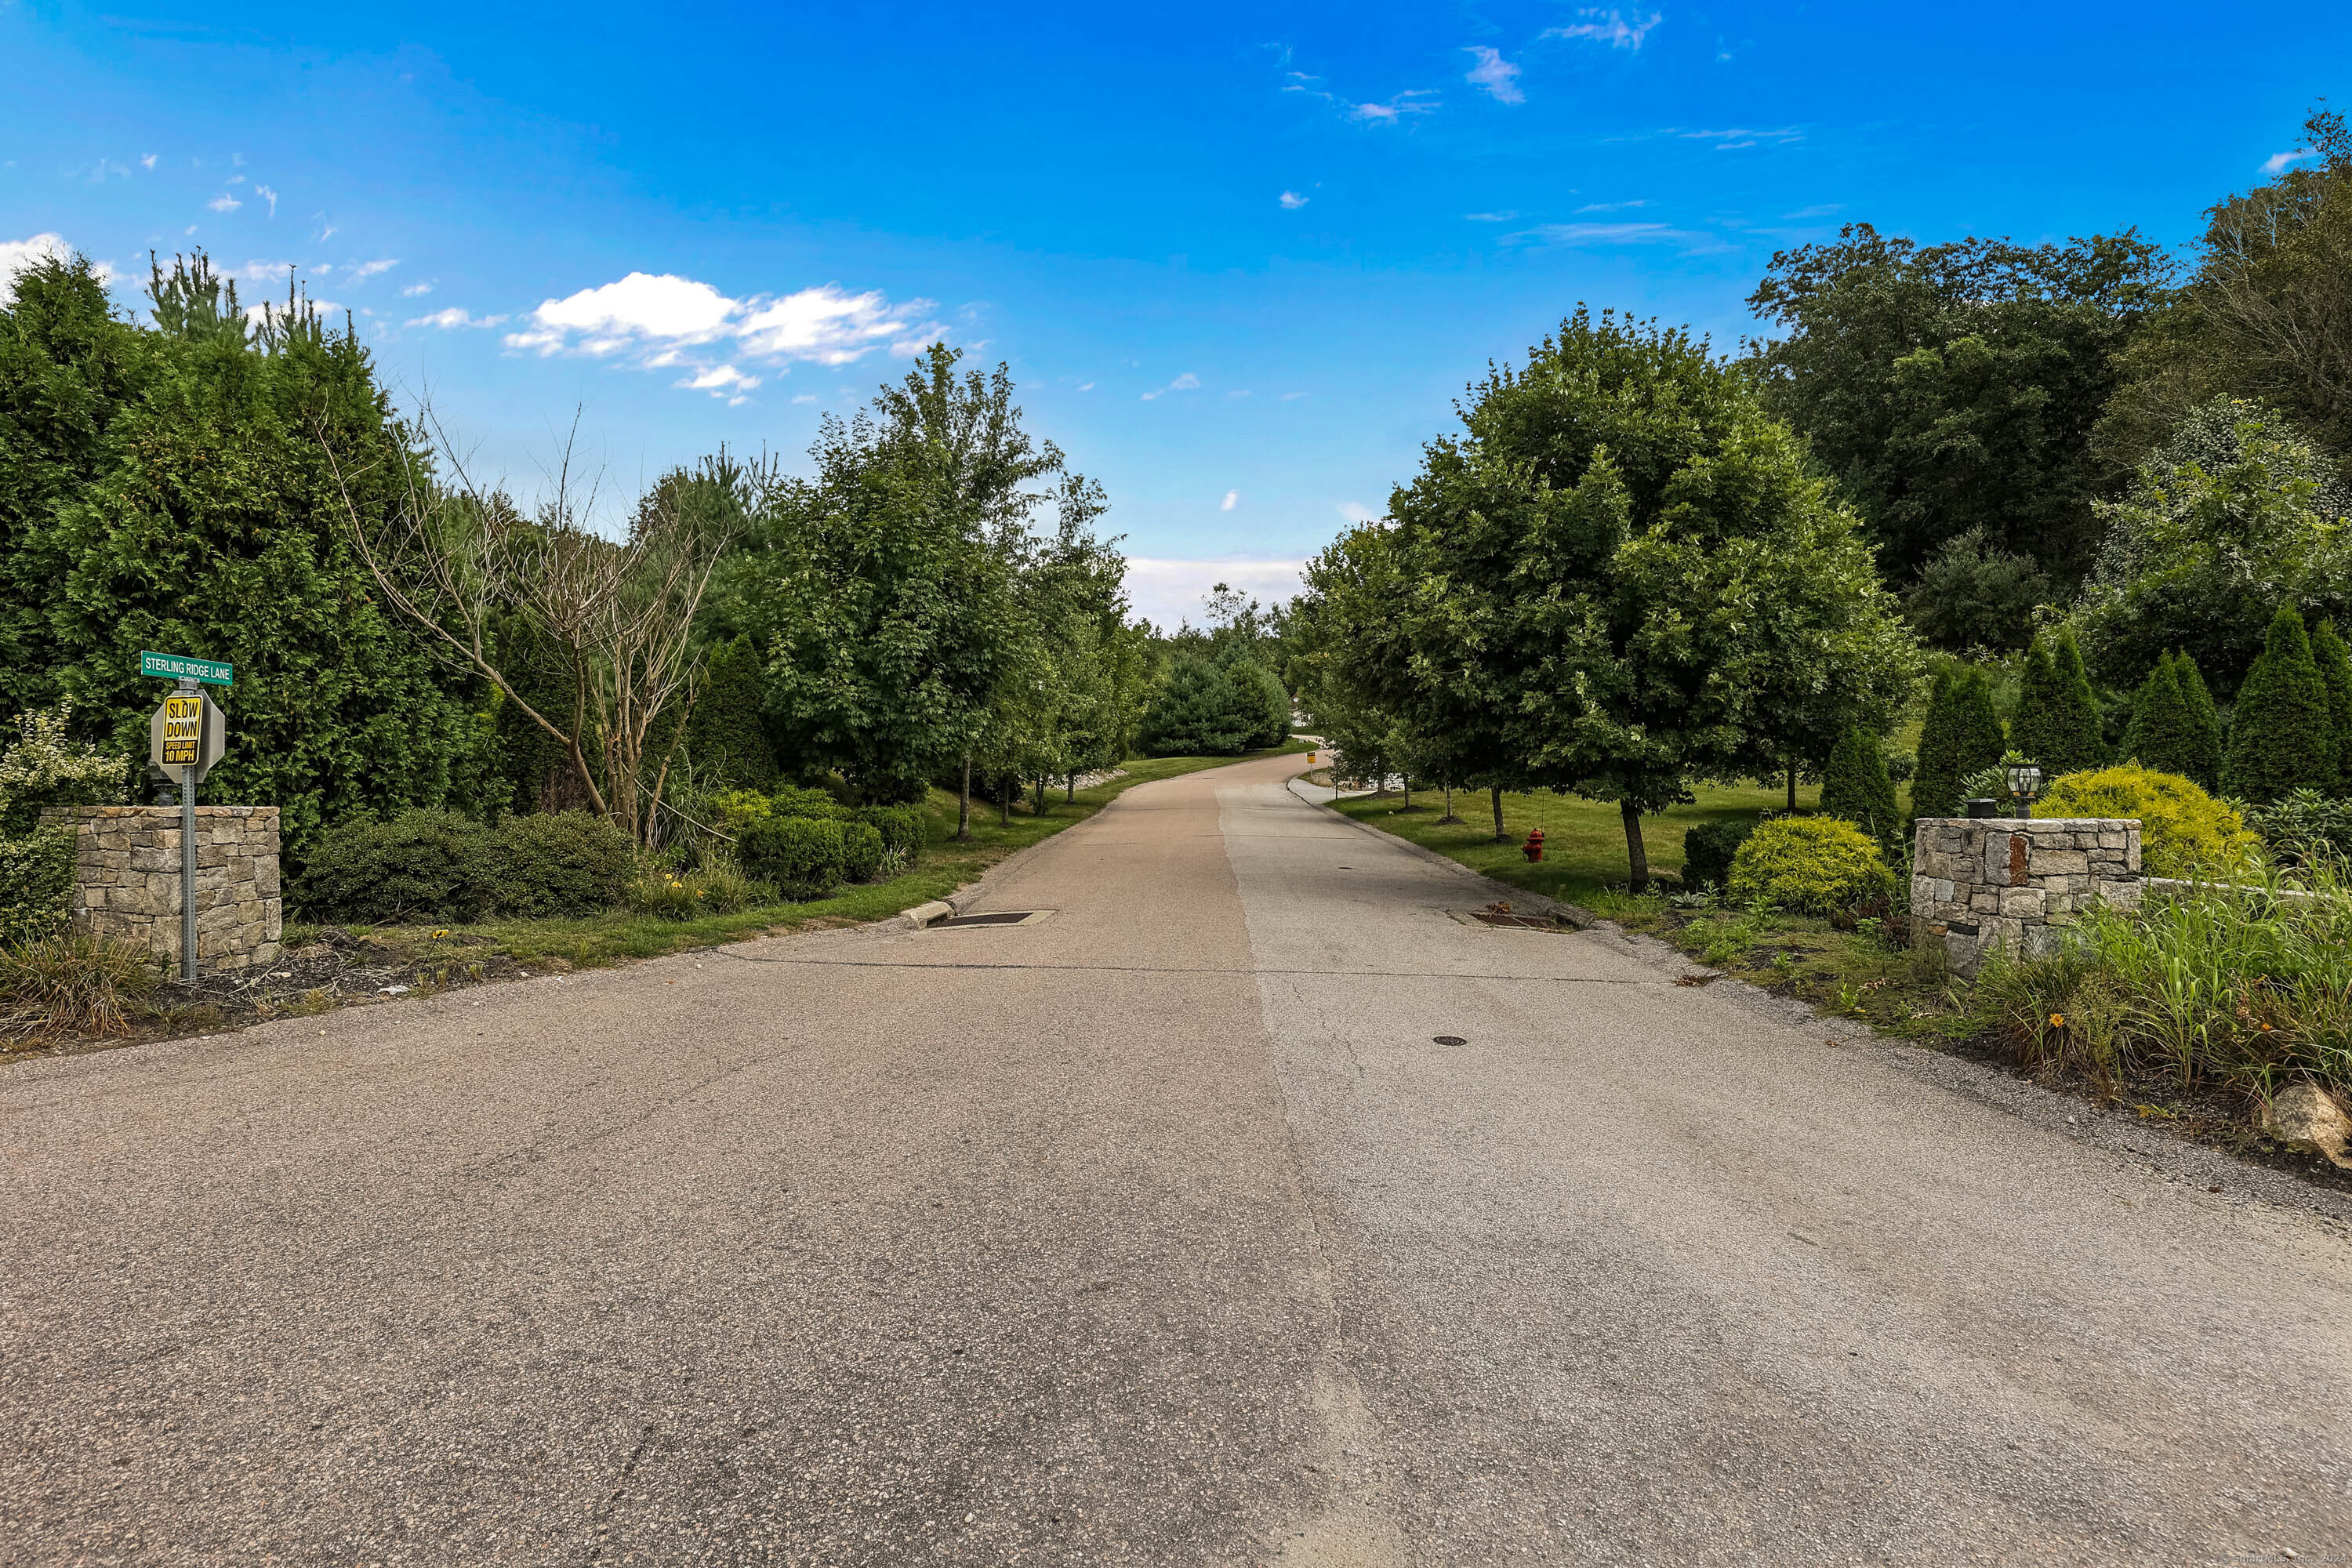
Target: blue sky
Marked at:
1241, 258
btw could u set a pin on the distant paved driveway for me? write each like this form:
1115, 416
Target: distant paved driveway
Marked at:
1158, 1230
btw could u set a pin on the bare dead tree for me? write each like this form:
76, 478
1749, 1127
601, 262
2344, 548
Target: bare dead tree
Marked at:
619, 614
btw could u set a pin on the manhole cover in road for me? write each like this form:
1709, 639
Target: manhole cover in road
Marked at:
1000, 918
1447, 1040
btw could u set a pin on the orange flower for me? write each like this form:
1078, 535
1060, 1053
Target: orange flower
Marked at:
2057, 1020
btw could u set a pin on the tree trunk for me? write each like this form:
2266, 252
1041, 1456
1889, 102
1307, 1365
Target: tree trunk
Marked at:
963, 803
1500, 836
1041, 795
1003, 806
1449, 816
1793, 786
1070, 787
1635, 856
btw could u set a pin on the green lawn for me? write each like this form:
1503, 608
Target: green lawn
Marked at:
946, 865
1585, 840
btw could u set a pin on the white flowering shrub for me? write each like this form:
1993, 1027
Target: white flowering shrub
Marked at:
45, 766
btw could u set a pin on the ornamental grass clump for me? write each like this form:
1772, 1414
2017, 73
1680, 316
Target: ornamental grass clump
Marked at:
72, 984
2244, 986
1810, 865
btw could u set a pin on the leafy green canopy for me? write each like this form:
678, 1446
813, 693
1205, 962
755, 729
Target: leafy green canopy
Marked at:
2281, 736
165, 487
1954, 387
2237, 514
1621, 575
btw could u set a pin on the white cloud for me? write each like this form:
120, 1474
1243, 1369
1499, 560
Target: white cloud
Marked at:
362, 269
1610, 206
412, 291
1166, 591
1233, 499
1575, 234
1083, 386
1292, 201
721, 381
1727, 140
802, 397
1357, 511
1610, 27
1412, 100
1489, 218
18, 256
223, 203
1822, 210
653, 318
270, 196
1187, 382
1496, 74
148, 162
455, 316
2277, 162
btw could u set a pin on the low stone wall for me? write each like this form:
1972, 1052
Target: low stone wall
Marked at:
1982, 882
126, 879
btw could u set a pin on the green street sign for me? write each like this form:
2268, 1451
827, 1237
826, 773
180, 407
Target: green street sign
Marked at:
176, 667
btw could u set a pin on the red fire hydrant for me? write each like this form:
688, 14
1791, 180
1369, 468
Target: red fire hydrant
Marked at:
1533, 848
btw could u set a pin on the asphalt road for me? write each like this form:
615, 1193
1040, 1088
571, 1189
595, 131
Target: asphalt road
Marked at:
1157, 1230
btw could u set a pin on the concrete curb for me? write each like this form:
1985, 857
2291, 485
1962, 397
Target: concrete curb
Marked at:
1574, 914
922, 915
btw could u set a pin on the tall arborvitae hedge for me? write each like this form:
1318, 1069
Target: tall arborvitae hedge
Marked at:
2057, 721
1855, 786
2206, 770
168, 486
1961, 736
2163, 735
2281, 736
2335, 661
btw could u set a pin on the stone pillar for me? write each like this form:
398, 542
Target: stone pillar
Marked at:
1982, 882
126, 879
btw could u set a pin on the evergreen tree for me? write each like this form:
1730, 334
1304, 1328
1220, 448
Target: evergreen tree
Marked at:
1856, 787
2037, 698
1962, 736
2057, 722
2205, 719
2076, 731
2163, 735
2281, 738
1198, 711
726, 734
2335, 668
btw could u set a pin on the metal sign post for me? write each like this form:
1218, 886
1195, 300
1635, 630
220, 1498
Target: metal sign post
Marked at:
185, 738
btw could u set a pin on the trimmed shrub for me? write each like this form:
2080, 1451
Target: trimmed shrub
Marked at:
804, 855
806, 800
36, 878
561, 863
1856, 787
861, 851
2206, 718
1708, 851
1961, 736
2335, 661
1812, 864
419, 865
2183, 831
2281, 737
2163, 735
2057, 722
906, 830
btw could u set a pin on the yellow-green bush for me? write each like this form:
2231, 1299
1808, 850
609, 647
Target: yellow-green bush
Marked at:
1813, 865
2183, 831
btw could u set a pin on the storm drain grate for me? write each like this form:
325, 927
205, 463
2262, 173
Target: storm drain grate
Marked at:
1002, 918
1526, 922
